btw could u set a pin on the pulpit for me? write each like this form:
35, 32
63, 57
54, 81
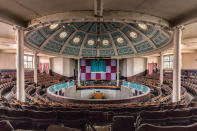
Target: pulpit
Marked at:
98, 95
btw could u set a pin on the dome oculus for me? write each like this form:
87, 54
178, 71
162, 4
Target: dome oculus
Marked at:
133, 35
62, 35
53, 26
105, 42
120, 40
76, 40
143, 26
91, 42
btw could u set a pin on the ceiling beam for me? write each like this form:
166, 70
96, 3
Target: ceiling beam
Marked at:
113, 44
87, 16
12, 20
187, 18
98, 8
83, 44
50, 37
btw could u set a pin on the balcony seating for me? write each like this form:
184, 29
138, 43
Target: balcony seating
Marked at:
179, 117
149, 127
60, 128
39, 112
71, 118
123, 123
5, 126
153, 117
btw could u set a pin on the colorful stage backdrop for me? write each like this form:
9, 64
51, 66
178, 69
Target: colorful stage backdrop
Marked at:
98, 69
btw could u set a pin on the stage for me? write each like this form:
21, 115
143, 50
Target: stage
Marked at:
101, 94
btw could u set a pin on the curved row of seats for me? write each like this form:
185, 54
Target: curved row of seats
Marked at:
41, 112
164, 96
40, 117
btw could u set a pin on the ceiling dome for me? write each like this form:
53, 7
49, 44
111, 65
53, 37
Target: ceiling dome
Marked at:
99, 39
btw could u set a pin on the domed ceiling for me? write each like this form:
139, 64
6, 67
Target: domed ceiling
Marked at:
99, 39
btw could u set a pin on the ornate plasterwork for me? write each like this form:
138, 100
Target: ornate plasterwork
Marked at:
99, 39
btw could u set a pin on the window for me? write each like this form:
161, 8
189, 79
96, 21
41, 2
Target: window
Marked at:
28, 61
168, 61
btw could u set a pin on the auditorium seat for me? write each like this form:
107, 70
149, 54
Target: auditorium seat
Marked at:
43, 115
99, 117
41, 119
60, 128
149, 127
179, 117
5, 126
39, 111
193, 104
71, 118
123, 123
152, 117
194, 114
17, 114
26, 124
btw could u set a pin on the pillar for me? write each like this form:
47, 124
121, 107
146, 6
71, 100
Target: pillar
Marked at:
117, 72
20, 87
51, 63
35, 68
78, 73
177, 65
161, 68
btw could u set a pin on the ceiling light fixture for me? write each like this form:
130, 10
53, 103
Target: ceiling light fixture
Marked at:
133, 35
63, 34
143, 26
120, 40
53, 26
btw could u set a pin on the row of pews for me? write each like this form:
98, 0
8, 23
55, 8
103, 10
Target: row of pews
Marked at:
39, 112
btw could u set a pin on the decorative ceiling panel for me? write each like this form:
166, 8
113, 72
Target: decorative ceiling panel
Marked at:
99, 39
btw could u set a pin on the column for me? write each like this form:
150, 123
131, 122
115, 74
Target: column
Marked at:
35, 68
177, 65
78, 73
20, 87
161, 68
50, 64
117, 72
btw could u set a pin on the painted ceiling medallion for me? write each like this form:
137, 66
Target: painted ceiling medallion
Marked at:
91, 42
76, 40
53, 26
120, 40
105, 42
62, 35
133, 35
143, 26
